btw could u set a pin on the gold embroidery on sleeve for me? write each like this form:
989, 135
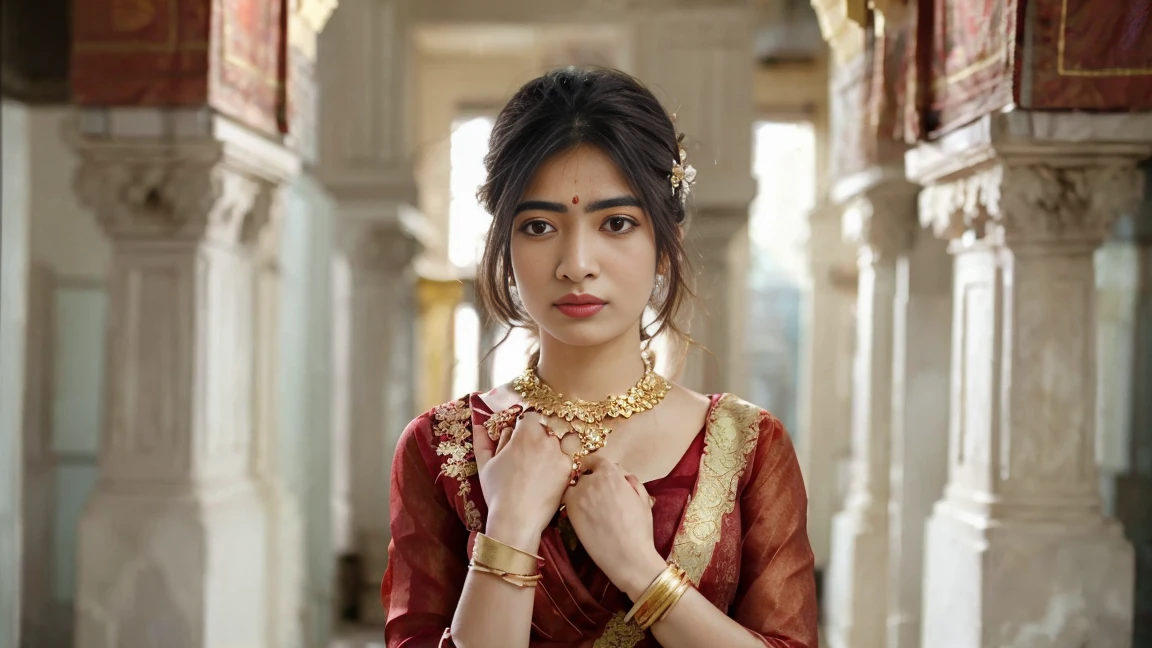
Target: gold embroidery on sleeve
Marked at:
453, 429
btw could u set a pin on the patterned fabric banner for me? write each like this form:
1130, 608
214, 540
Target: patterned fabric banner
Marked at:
227, 54
1091, 55
249, 80
972, 72
140, 52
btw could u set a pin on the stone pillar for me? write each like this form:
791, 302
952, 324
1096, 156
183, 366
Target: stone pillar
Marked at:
284, 551
1124, 380
829, 328
365, 165
14, 275
919, 446
882, 220
171, 546
1018, 552
699, 62
374, 288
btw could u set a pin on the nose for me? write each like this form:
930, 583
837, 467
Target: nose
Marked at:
577, 256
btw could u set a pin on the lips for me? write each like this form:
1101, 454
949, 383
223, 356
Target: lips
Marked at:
579, 306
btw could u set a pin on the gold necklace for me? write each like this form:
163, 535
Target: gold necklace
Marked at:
586, 417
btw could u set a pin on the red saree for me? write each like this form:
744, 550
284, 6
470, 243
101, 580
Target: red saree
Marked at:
732, 514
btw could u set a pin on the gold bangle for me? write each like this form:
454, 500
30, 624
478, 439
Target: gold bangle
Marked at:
519, 580
495, 554
657, 589
665, 592
666, 605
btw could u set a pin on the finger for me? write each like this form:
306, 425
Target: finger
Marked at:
642, 492
510, 430
482, 446
505, 437
594, 463
635, 483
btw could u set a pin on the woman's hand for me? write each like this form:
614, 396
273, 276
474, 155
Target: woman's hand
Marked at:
611, 513
523, 476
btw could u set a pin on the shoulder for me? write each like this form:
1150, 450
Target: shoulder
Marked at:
443, 435
748, 430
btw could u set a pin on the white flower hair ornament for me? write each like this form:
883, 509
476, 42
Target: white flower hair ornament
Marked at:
683, 175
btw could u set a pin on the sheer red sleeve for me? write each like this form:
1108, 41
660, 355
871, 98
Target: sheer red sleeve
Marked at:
776, 598
427, 556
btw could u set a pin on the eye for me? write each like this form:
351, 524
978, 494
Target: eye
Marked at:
619, 224
537, 228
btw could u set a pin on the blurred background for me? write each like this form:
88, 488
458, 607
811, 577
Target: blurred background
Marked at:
238, 255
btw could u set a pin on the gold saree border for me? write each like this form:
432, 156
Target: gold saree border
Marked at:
732, 435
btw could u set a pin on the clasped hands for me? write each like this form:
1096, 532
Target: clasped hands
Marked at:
525, 476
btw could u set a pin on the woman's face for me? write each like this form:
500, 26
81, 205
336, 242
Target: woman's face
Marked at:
583, 251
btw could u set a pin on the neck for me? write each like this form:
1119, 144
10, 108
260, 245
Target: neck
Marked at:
590, 373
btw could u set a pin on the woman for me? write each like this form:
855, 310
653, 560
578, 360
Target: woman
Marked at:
514, 522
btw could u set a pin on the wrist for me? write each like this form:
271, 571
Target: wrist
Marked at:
513, 532
640, 575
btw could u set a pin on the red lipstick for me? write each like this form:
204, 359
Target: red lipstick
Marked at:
579, 306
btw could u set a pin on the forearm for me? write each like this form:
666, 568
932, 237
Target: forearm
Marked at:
493, 613
693, 622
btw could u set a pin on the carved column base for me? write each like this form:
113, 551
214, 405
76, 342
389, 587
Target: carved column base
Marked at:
1025, 584
857, 572
179, 570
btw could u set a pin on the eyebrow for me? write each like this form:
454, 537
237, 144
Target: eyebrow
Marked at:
559, 208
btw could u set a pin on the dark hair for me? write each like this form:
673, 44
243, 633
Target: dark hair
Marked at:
565, 108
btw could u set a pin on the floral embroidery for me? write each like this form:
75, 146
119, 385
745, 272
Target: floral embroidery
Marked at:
455, 442
453, 428
471, 515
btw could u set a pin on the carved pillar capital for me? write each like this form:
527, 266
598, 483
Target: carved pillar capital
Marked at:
152, 191
1007, 202
378, 248
882, 219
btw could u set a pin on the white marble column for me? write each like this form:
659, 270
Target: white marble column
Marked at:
1018, 552
171, 545
284, 551
881, 219
1124, 380
829, 330
919, 442
365, 165
699, 63
375, 290
14, 275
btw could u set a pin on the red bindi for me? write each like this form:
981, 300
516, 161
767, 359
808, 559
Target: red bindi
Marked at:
575, 200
